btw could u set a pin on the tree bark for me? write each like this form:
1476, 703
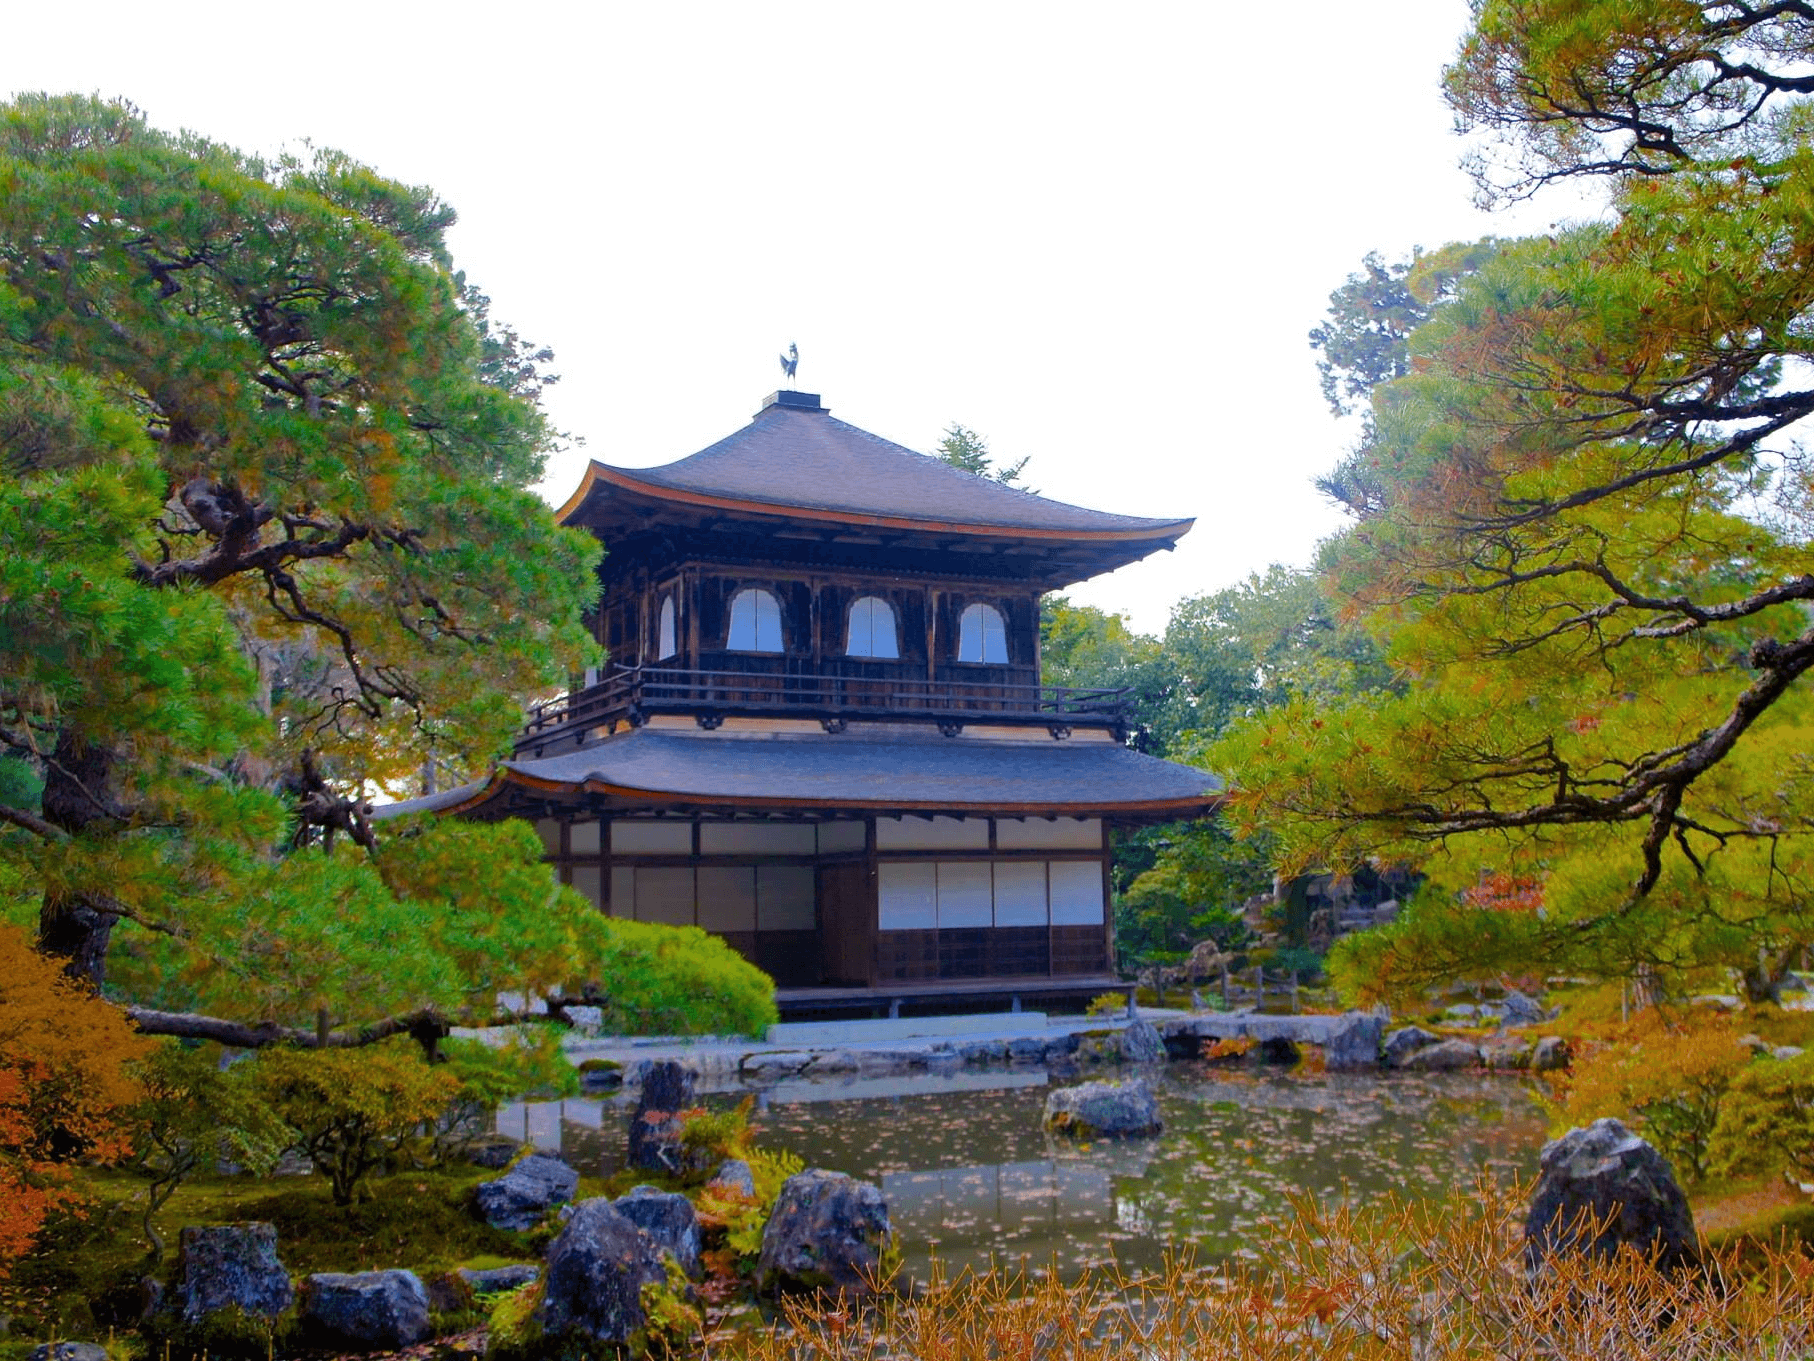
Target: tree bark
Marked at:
78, 927
1763, 981
427, 1028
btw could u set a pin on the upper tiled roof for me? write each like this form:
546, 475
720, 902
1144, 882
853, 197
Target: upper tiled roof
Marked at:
797, 457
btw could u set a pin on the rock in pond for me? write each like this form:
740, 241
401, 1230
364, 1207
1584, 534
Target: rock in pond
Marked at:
668, 1219
1350, 1040
828, 1232
1508, 1053
523, 1196
1401, 1044
768, 1064
734, 1175
667, 1090
369, 1311
1141, 1043
1550, 1055
1605, 1175
592, 1290
1104, 1110
228, 1267
1445, 1057
600, 1075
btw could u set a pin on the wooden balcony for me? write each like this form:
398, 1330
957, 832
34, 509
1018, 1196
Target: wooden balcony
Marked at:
633, 693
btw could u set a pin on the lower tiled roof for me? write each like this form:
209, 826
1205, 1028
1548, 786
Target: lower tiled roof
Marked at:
920, 771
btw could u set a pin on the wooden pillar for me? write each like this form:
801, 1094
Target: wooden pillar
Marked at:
1108, 898
934, 602
690, 593
873, 878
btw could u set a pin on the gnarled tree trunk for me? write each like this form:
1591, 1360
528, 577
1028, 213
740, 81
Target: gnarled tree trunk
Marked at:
77, 927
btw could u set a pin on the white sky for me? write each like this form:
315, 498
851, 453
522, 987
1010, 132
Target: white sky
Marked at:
1094, 234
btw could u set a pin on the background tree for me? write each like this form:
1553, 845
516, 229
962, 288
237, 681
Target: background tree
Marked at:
1224, 655
1364, 342
1588, 539
1365, 339
266, 544
966, 449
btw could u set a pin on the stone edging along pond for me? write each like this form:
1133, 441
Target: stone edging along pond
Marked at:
1348, 1041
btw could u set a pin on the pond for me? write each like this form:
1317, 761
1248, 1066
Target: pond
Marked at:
970, 1176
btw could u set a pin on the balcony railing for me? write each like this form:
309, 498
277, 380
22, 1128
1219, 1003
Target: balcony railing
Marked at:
633, 693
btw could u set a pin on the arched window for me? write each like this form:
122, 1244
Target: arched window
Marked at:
981, 636
755, 622
664, 630
872, 631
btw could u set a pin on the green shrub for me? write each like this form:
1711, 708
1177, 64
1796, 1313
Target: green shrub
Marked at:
708, 1137
192, 1115
676, 980
351, 1111
670, 1323
1107, 1004
1766, 1122
512, 1331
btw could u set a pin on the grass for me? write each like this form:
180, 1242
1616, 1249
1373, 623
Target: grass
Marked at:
1433, 1282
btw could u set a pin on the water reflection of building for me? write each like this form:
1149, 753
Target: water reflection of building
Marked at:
1042, 1209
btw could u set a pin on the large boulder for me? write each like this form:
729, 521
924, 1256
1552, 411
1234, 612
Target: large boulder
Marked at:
228, 1267
667, 1090
1403, 1043
668, 1219
592, 1288
1603, 1187
523, 1196
368, 1311
1104, 1110
828, 1232
1446, 1057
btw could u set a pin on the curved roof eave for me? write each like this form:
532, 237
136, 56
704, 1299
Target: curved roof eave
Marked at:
597, 473
473, 796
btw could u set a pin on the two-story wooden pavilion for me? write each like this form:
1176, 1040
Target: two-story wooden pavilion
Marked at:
823, 734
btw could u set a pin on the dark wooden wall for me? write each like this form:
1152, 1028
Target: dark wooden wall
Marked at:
815, 610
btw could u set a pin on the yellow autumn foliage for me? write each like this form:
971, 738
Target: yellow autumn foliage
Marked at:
1665, 1075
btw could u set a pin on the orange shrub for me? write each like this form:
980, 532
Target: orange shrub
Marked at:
63, 1087
1664, 1075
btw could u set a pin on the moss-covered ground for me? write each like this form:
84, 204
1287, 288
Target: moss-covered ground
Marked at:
83, 1281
